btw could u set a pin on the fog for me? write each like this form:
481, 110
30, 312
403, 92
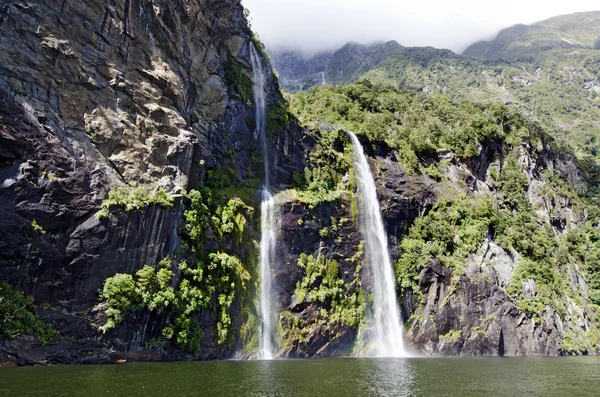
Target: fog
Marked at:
315, 25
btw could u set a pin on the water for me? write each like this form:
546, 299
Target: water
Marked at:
260, 113
567, 376
386, 337
267, 241
267, 252
322, 79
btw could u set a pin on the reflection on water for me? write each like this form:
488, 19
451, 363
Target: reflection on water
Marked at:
392, 376
576, 376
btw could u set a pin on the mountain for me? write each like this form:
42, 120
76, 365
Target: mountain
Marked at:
298, 72
111, 116
575, 31
132, 169
494, 241
557, 86
459, 298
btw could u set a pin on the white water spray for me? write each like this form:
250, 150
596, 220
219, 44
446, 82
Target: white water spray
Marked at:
267, 252
267, 241
386, 340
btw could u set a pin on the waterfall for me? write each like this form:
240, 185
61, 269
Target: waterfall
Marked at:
267, 240
386, 340
322, 79
267, 251
261, 108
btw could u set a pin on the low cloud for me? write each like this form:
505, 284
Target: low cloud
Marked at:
315, 25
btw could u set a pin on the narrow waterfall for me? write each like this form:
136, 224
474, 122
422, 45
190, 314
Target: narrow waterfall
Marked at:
322, 79
267, 241
386, 340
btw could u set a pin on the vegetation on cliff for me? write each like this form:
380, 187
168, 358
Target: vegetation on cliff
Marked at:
212, 280
132, 197
19, 317
547, 71
421, 130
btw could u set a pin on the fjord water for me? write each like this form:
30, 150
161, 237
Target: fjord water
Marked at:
386, 338
491, 376
267, 241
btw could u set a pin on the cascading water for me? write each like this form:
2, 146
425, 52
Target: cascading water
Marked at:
386, 340
267, 250
267, 241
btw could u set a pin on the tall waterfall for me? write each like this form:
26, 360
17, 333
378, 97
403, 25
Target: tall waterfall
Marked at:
267, 241
387, 337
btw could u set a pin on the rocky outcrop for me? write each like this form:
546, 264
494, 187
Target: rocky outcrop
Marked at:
464, 311
158, 94
470, 312
327, 233
105, 94
474, 315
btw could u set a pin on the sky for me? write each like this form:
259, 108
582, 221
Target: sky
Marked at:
316, 25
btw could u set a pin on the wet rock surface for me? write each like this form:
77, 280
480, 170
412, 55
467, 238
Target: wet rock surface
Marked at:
326, 232
106, 94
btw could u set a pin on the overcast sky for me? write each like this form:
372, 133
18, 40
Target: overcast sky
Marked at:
314, 25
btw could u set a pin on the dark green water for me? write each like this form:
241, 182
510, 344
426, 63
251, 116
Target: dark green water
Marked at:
576, 376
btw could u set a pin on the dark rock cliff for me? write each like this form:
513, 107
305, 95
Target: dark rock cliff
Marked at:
102, 94
158, 94
465, 311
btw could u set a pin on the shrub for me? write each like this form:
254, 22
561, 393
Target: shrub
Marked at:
18, 316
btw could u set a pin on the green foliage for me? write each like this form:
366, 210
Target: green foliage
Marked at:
581, 342
152, 289
278, 117
337, 304
513, 184
591, 173
237, 80
433, 172
121, 297
37, 228
329, 160
258, 44
212, 281
413, 124
221, 276
132, 197
453, 336
205, 214
584, 246
18, 316
450, 232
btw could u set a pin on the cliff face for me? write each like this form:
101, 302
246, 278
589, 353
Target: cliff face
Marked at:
98, 95
469, 309
494, 235
127, 137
